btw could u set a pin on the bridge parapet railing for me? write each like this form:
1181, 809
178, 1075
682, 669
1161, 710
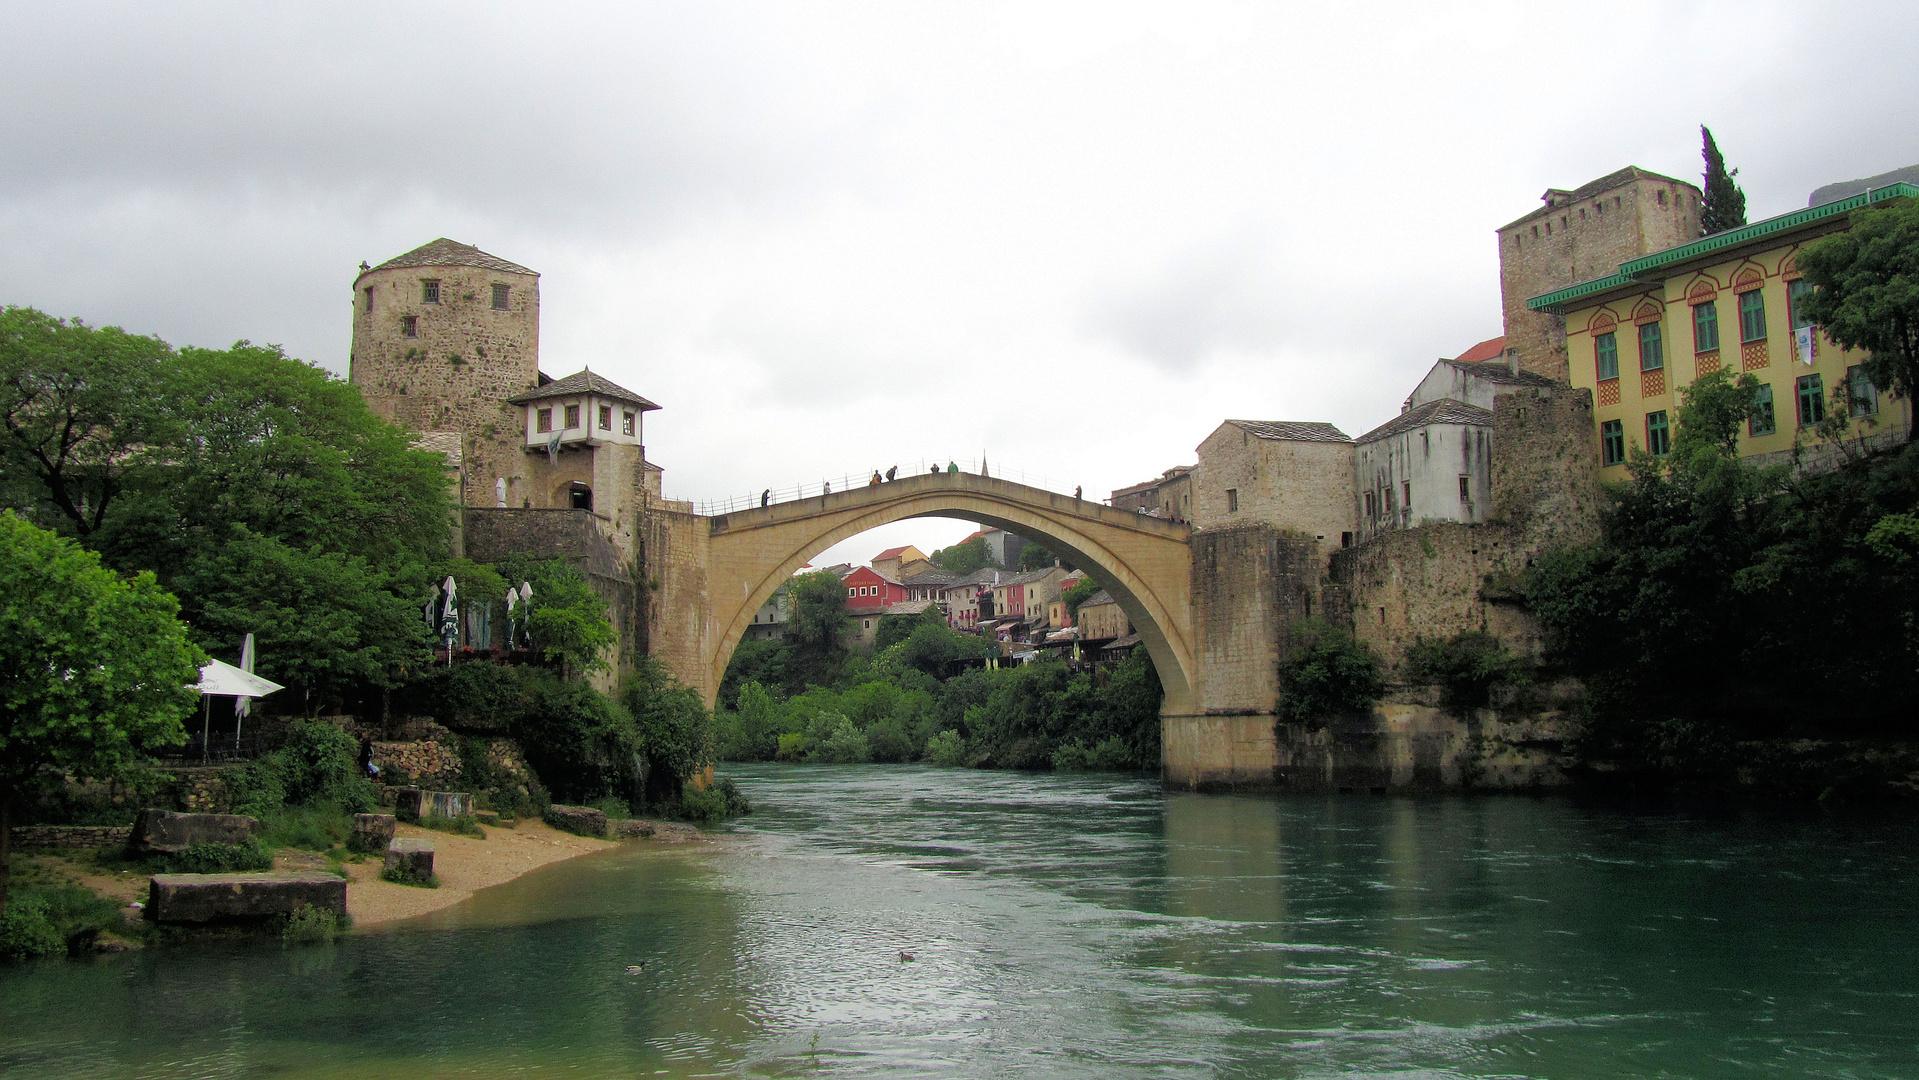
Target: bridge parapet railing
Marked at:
851, 481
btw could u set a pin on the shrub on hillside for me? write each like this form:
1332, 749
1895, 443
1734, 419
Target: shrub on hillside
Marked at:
1466, 667
1326, 672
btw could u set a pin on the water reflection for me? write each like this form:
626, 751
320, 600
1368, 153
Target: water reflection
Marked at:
1076, 926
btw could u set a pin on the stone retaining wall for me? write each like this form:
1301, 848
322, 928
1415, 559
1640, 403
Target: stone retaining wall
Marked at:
416, 760
70, 836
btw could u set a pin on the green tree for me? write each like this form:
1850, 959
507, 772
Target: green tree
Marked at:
673, 731
1035, 556
1465, 667
1325, 672
1725, 206
325, 623
894, 629
1085, 590
80, 408
1866, 292
965, 557
94, 670
568, 621
816, 624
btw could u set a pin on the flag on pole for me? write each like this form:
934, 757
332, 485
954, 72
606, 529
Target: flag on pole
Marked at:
1805, 336
449, 613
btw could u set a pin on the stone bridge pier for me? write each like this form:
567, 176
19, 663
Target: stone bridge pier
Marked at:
1200, 604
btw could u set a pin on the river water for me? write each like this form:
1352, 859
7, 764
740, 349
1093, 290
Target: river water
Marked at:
1076, 926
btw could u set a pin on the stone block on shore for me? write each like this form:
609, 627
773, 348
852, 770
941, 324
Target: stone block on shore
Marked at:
70, 836
207, 898
579, 820
412, 804
157, 831
665, 832
371, 833
410, 858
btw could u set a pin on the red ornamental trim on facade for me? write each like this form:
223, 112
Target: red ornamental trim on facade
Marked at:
1652, 383
1705, 362
1609, 391
1754, 356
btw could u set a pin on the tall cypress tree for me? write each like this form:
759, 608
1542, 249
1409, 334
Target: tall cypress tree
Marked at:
1725, 204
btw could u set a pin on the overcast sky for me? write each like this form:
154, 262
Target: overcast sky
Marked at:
830, 237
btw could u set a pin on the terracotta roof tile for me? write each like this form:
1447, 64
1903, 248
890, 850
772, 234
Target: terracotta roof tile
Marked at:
1488, 349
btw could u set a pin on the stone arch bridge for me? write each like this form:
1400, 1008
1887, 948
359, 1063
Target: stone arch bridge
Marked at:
718, 571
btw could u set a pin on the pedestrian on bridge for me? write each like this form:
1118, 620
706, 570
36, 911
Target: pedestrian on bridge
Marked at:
952, 467
826, 487
935, 471
875, 482
766, 497
891, 473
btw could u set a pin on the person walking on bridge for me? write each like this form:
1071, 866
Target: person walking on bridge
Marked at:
935, 470
766, 497
875, 482
891, 473
952, 467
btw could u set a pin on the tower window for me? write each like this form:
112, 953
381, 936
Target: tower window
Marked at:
500, 296
606, 418
572, 416
626, 424
430, 291
543, 420
369, 299
1232, 500
409, 326
1465, 489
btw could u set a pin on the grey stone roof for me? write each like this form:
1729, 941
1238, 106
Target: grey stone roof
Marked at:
1846, 189
931, 577
1496, 371
1292, 430
444, 252
1587, 190
1100, 597
582, 382
1443, 411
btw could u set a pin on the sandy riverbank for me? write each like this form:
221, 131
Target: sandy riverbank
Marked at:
464, 865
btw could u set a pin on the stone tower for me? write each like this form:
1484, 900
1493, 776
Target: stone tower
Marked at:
444, 337
1580, 235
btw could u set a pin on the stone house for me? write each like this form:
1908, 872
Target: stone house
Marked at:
899, 563
1431, 463
1642, 330
1101, 620
1294, 476
1169, 496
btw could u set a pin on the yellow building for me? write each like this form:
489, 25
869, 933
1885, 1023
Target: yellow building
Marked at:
1725, 301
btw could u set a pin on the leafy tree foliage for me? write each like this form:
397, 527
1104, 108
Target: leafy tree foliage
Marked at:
1725, 206
1085, 590
894, 629
568, 621
1326, 672
1466, 668
325, 623
816, 624
1774, 580
1035, 556
1866, 292
964, 557
94, 670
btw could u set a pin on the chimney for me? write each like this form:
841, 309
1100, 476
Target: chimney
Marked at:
1512, 360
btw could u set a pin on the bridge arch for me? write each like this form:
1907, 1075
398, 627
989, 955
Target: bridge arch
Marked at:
1144, 562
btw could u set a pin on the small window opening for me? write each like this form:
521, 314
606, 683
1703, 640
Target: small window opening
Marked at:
606, 418
543, 420
500, 295
626, 423
1232, 500
409, 326
580, 496
430, 291
1465, 489
369, 299
572, 416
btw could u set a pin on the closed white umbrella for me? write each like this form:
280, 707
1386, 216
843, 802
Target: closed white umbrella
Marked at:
218, 677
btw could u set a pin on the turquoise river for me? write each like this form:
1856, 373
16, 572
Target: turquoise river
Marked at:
1076, 926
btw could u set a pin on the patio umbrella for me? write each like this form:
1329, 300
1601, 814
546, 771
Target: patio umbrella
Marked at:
243, 705
217, 677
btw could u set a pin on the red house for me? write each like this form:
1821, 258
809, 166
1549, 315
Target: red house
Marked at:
868, 588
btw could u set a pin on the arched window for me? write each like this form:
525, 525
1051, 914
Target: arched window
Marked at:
580, 496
